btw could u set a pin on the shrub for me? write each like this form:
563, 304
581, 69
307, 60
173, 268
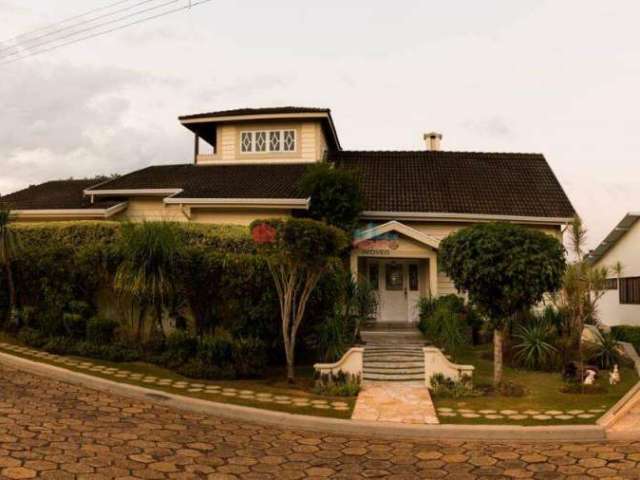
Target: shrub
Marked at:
605, 351
31, 337
216, 349
445, 387
178, 348
59, 345
442, 321
535, 349
249, 357
337, 385
196, 368
333, 337
101, 331
627, 333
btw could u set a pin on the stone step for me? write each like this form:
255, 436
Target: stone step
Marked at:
394, 372
397, 356
390, 365
393, 377
392, 348
392, 360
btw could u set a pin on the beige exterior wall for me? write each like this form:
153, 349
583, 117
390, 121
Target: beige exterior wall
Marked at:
439, 230
627, 252
311, 143
153, 209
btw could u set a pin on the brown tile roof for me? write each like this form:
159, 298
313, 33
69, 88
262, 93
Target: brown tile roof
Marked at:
215, 181
510, 184
515, 184
56, 195
256, 111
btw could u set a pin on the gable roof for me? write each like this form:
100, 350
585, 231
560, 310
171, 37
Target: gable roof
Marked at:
423, 183
395, 226
56, 195
188, 181
610, 241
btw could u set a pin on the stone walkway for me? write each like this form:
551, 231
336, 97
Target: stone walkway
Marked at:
395, 402
56, 431
204, 388
543, 415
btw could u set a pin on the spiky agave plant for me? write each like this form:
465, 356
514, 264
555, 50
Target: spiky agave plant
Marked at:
535, 349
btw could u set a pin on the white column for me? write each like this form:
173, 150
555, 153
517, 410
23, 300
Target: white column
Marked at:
353, 261
433, 274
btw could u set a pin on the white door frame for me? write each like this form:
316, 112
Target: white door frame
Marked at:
397, 305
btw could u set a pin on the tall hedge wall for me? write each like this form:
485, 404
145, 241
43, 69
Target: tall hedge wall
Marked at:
225, 282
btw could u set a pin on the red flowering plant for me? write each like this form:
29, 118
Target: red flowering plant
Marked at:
299, 252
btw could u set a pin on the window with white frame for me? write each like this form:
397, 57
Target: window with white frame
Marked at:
268, 141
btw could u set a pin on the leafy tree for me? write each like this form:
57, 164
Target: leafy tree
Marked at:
299, 252
336, 197
147, 273
8, 252
505, 269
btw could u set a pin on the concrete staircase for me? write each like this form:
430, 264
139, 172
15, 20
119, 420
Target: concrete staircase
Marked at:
393, 353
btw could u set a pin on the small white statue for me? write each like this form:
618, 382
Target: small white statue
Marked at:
614, 377
590, 379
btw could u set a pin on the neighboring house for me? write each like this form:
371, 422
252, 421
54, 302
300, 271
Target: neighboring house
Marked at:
620, 304
247, 163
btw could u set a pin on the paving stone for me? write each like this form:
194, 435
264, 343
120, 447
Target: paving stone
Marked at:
59, 431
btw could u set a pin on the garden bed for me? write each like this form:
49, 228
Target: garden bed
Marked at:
543, 403
271, 392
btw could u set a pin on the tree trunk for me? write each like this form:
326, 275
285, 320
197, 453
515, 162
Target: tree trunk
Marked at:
13, 303
291, 368
498, 340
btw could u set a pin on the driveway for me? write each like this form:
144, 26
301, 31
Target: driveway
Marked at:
54, 430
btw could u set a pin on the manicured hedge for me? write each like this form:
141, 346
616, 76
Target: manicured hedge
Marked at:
223, 282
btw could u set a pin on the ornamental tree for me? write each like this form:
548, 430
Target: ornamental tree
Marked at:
299, 252
336, 197
504, 269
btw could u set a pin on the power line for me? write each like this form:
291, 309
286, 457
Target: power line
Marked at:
65, 21
120, 27
22, 44
94, 27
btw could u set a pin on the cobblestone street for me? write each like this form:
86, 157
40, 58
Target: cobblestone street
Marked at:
54, 430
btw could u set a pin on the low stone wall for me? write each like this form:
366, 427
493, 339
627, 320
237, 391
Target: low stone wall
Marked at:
435, 362
351, 363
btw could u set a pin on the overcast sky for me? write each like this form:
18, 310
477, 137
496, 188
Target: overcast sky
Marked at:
559, 77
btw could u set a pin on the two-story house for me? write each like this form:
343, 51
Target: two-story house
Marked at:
247, 163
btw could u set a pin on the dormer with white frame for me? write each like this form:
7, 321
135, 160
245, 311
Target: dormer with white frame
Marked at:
262, 135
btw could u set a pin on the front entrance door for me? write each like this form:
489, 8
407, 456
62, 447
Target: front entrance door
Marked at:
393, 292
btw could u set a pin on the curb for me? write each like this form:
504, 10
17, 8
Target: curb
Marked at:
574, 433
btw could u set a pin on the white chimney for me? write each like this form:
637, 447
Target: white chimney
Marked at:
433, 140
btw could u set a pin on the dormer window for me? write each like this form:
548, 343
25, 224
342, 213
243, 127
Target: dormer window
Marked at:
268, 141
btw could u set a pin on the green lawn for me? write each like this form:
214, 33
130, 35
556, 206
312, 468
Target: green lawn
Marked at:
543, 393
274, 383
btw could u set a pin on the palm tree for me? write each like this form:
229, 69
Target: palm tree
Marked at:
8, 251
148, 269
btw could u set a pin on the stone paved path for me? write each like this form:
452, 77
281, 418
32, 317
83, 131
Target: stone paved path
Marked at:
395, 402
53, 430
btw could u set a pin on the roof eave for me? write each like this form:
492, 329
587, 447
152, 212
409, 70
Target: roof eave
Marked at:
81, 213
261, 203
464, 217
